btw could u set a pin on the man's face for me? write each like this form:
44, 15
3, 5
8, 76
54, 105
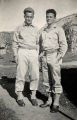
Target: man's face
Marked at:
28, 18
50, 18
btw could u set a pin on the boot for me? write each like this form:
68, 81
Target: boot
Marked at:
55, 104
48, 102
33, 98
20, 100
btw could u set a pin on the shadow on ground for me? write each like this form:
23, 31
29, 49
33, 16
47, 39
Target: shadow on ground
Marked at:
69, 83
9, 85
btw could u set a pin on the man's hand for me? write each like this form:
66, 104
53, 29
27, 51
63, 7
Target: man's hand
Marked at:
16, 59
41, 55
59, 57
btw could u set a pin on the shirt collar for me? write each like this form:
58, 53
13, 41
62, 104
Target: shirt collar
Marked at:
24, 24
54, 25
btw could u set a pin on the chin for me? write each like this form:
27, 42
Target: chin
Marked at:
29, 23
49, 23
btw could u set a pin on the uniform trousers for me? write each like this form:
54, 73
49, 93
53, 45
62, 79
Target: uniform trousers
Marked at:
51, 72
27, 62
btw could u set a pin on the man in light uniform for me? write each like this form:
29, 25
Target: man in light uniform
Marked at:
54, 47
25, 47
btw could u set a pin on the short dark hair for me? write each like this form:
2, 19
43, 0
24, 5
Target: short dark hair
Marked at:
28, 9
51, 11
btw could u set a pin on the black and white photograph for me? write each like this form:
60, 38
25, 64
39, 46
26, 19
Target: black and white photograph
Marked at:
38, 59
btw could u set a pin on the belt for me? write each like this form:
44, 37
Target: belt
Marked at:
28, 48
49, 51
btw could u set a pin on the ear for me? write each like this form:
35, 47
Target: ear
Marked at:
24, 15
33, 16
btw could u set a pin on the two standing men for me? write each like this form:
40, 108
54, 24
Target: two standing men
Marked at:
25, 46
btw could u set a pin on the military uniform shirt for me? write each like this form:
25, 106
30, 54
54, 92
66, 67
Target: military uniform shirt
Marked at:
25, 37
54, 40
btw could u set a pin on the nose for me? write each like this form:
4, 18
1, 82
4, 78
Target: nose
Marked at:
48, 19
28, 18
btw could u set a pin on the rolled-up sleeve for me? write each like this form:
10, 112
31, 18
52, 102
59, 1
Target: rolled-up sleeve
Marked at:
15, 42
62, 42
37, 41
40, 40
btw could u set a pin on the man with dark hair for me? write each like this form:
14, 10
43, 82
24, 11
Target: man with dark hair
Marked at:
51, 11
54, 47
25, 47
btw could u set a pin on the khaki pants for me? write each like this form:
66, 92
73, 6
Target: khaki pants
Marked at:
51, 72
27, 62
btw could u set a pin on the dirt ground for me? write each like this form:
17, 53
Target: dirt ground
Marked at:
9, 109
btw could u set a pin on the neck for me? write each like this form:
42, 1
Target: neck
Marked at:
50, 25
28, 24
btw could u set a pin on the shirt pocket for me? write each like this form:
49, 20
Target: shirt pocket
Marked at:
53, 35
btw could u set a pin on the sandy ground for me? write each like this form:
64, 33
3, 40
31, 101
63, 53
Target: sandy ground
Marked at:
10, 110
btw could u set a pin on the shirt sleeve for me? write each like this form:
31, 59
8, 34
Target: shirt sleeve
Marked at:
37, 42
62, 42
40, 40
15, 42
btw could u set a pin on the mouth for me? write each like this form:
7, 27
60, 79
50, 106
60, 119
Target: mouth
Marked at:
48, 21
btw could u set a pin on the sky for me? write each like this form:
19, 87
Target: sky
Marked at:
11, 11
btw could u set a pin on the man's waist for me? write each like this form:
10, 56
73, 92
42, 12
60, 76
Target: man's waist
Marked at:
28, 47
50, 51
